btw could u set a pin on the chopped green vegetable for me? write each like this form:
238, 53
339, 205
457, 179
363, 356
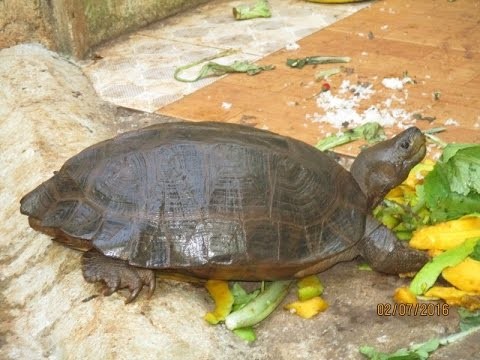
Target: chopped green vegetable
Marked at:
323, 74
260, 307
417, 351
245, 12
309, 292
213, 69
241, 297
469, 319
364, 267
309, 287
427, 276
452, 188
246, 333
314, 60
371, 131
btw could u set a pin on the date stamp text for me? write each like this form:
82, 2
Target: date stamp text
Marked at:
418, 309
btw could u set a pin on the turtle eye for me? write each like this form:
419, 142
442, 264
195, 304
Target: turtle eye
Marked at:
405, 144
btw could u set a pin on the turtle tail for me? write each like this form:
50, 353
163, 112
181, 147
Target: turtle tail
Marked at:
39, 201
59, 208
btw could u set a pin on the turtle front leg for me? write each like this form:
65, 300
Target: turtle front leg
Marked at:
385, 253
116, 274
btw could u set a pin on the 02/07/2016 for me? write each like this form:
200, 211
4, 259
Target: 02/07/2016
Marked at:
418, 309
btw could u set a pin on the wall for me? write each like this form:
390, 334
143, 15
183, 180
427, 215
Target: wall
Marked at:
73, 27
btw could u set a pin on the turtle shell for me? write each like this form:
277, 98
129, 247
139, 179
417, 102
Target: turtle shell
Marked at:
210, 199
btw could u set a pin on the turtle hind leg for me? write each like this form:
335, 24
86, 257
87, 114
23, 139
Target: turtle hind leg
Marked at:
116, 274
385, 253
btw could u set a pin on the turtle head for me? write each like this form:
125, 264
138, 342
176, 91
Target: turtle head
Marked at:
380, 168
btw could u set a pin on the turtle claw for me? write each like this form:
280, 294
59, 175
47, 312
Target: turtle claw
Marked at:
133, 295
116, 274
151, 286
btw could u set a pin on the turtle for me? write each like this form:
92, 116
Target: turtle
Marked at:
222, 201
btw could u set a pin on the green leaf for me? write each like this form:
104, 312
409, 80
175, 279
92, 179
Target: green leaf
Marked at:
465, 171
469, 319
246, 333
452, 188
241, 297
246, 12
452, 149
427, 275
420, 351
401, 354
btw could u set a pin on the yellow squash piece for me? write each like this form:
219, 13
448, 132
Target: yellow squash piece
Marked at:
418, 173
446, 235
464, 276
223, 298
400, 194
403, 295
434, 252
455, 297
415, 177
308, 308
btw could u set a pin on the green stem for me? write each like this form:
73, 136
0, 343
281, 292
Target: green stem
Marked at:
434, 139
209, 58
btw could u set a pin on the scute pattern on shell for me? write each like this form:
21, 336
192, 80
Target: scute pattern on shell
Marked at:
211, 199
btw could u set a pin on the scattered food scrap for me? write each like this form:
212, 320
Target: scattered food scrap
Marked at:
324, 74
315, 60
310, 303
214, 69
291, 46
451, 121
226, 105
393, 83
340, 109
418, 116
428, 275
223, 301
241, 310
456, 242
371, 132
325, 87
422, 351
261, 9
307, 308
